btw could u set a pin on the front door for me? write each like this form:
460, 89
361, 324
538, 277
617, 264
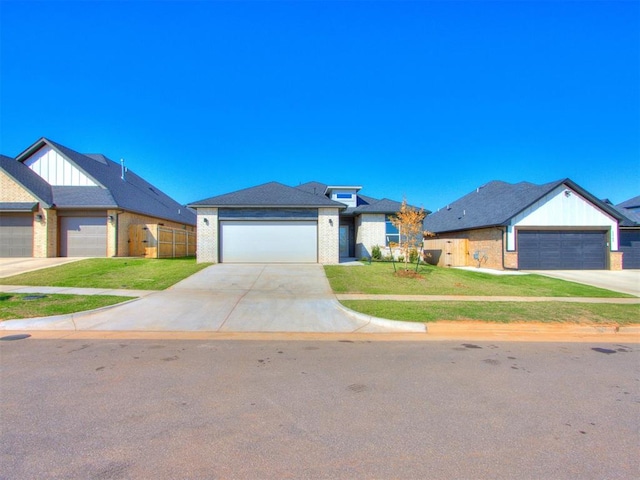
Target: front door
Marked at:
344, 240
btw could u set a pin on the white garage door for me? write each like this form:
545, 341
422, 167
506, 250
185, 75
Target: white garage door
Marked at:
269, 241
83, 236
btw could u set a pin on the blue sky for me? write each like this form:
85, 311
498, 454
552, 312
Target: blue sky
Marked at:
423, 100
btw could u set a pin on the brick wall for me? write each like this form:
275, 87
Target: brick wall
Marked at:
370, 231
615, 260
328, 235
207, 235
10, 191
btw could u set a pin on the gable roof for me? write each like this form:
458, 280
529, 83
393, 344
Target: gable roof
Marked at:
133, 194
272, 194
365, 204
496, 203
30, 180
630, 210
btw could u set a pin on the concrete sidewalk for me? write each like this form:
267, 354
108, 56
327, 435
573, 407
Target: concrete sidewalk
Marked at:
470, 298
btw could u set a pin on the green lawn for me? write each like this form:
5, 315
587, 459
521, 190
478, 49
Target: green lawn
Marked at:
120, 273
18, 305
500, 312
379, 278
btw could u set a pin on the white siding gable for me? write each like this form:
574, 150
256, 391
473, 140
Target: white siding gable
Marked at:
563, 207
57, 170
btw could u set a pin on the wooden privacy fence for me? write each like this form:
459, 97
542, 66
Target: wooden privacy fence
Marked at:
446, 252
157, 241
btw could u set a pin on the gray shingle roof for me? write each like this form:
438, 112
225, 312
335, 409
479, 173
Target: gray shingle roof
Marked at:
30, 180
310, 194
133, 194
18, 206
272, 194
629, 210
496, 203
631, 203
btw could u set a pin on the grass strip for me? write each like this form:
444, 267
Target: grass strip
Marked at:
18, 305
379, 278
500, 312
118, 273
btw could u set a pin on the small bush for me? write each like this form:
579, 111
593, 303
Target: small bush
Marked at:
401, 258
413, 255
376, 253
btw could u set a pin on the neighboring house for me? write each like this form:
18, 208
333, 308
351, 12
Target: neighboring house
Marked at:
630, 232
558, 225
58, 202
313, 222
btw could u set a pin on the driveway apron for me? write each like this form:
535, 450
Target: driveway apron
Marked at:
237, 298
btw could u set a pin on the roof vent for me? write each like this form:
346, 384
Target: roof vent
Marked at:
123, 169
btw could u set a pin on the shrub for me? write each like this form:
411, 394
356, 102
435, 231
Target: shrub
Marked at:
401, 258
376, 253
413, 255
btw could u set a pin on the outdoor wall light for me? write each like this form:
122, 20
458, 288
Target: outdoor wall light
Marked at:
39, 217
111, 218
206, 221
331, 222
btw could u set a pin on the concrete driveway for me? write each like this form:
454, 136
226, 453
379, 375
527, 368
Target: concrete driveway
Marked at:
625, 281
231, 298
16, 266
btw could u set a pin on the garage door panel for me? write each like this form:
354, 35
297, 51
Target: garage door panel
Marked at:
16, 235
561, 250
630, 248
269, 241
83, 236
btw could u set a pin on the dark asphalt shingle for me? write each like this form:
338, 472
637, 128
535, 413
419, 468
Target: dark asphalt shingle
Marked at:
133, 194
496, 203
272, 194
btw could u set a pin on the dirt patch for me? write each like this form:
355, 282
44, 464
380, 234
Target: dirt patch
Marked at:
408, 274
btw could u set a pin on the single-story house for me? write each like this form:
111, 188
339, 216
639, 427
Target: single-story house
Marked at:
55, 201
630, 232
558, 225
309, 223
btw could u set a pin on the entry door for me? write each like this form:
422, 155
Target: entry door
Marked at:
344, 240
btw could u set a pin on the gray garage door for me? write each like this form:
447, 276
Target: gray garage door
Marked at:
562, 250
269, 241
16, 235
630, 247
83, 237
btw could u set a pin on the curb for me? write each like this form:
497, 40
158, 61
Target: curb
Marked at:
393, 325
56, 322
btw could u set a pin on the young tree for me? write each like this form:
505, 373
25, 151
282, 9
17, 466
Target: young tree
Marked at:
408, 221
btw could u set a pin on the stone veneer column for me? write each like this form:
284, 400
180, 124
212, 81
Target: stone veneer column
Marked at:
207, 234
328, 235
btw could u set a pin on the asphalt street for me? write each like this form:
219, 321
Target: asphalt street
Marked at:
116, 409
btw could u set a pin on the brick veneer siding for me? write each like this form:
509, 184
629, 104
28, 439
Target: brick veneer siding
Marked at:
370, 231
207, 235
615, 260
328, 235
10, 191
118, 232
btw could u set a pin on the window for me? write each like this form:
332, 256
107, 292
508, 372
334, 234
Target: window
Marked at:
392, 233
344, 195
